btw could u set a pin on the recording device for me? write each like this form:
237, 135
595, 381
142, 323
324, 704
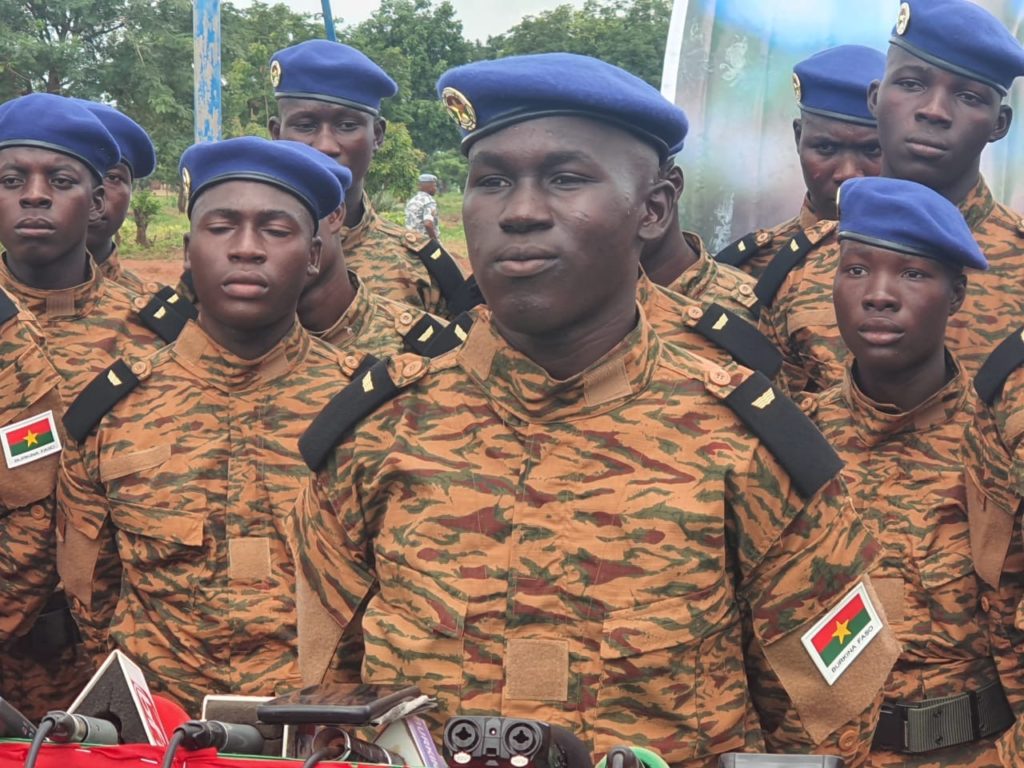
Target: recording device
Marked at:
511, 742
622, 757
737, 760
278, 740
204, 734
344, 705
13, 724
410, 737
331, 743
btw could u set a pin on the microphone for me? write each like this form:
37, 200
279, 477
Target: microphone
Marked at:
13, 724
69, 728
631, 757
224, 737
337, 744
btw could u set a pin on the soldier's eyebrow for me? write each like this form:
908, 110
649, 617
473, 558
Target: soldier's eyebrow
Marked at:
504, 159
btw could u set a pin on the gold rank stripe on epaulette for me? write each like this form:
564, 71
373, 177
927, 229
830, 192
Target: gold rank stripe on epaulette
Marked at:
368, 390
159, 317
747, 345
739, 252
1004, 360
99, 396
419, 338
177, 302
442, 268
8, 308
452, 336
786, 259
791, 437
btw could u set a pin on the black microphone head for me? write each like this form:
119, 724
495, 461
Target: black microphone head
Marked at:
238, 739
575, 752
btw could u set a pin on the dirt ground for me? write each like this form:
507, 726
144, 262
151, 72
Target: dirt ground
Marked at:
165, 272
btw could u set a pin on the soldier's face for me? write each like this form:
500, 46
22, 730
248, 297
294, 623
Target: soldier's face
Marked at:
832, 151
933, 124
556, 212
250, 248
348, 135
891, 308
46, 199
117, 188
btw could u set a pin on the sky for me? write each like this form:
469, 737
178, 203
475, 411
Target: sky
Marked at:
480, 18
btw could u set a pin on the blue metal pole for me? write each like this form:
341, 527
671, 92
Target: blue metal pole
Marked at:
206, 69
328, 21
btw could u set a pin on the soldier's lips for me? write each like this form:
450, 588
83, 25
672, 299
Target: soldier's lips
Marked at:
524, 264
880, 333
927, 149
30, 227
244, 285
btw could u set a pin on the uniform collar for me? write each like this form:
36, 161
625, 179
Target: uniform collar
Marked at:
519, 387
807, 217
213, 364
111, 268
697, 277
877, 423
978, 204
77, 301
352, 236
354, 320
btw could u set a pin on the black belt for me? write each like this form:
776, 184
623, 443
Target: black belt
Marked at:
937, 723
53, 631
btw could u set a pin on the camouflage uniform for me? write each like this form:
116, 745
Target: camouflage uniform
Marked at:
379, 326
905, 475
579, 551
801, 320
112, 270
384, 255
195, 471
711, 282
760, 246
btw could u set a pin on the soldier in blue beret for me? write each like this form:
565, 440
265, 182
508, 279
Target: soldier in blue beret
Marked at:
836, 139
138, 160
329, 96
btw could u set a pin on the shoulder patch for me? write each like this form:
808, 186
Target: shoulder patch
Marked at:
1004, 360
99, 396
791, 437
422, 334
788, 257
747, 345
739, 252
452, 336
177, 302
441, 266
8, 308
160, 318
369, 389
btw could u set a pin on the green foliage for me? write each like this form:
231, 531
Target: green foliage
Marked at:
144, 206
450, 167
396, 165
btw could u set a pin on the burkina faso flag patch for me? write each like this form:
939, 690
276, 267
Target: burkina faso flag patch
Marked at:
30, 439
845, 631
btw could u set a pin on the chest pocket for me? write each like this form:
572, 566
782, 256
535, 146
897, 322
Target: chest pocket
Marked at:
672, 677
949, 583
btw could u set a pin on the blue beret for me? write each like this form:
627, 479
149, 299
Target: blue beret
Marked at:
834, 83
250, 158
332, 72
341, 172
908, 217
961, 37
136, 146
486, 96
56, 123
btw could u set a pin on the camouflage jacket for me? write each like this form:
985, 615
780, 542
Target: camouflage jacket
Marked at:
379, 326
86, 327
801, 320
112, 270
30, 386
906, 477
711, 282
171, 514
590, 552
753, 253
385, 256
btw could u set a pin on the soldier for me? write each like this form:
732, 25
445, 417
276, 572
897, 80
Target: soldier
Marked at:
421, 210
174, 498
565, 517
897, 420
53, 156
938, 106
836, 139
328, 96
138, 160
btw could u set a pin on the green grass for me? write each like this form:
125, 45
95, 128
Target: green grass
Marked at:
168, 226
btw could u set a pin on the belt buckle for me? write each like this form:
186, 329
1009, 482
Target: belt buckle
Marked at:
942, 723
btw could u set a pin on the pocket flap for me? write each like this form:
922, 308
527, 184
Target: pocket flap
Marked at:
155, 523
120, 464
945, 566
427, 600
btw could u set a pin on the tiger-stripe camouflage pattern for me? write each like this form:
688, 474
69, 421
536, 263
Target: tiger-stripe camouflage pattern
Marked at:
196, 470
905, 474
579, 551
112, 269
374, 324
86, 327
384, 256
802, 320
770, 240
715, 283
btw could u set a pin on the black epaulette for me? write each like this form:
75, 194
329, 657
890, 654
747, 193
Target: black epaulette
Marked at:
367, 392
452, 336
101, 394
177, 302
160, 318
782, 263
747, 345
1004, 360
423, 333
784, 429
739, 252
467, 297
8, 308
442, 268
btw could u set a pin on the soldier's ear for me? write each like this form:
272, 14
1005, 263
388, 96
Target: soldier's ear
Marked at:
798, 126
185, 239
657, 212
959, 292
873, 97
1002, 122
380, 128
274, 127
315, 255
98, 203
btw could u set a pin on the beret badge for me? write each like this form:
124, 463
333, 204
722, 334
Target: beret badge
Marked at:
459, 108
275, 73
903, 19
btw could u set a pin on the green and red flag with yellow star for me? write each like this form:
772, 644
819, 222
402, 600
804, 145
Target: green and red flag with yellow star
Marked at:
838, 638
30, 439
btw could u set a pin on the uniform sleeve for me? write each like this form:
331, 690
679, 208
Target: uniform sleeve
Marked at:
772, 322
799, 562
87, 557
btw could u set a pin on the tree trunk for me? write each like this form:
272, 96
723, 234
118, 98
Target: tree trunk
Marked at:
141, 225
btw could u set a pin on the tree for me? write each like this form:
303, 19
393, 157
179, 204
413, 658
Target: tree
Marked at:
144, 207
395, 167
